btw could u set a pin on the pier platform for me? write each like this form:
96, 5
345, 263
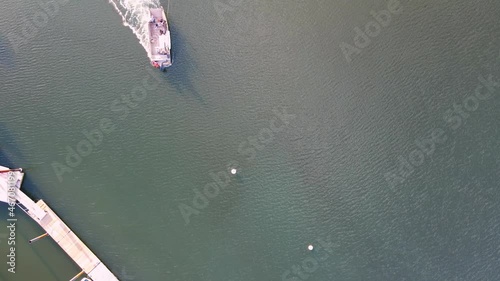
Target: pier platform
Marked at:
41, 213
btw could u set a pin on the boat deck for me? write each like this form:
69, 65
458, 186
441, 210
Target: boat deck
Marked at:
159, 36
155, 32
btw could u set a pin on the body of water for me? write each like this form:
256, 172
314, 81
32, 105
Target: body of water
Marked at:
369, 129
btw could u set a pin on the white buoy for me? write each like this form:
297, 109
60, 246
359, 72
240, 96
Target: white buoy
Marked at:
233, 171
310, 247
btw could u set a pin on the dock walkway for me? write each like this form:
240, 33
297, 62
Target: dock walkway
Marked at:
55, 228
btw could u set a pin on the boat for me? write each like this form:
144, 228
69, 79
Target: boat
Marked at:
159, 39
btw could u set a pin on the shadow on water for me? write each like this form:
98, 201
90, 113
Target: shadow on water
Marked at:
180, 73
8, 152
7, 54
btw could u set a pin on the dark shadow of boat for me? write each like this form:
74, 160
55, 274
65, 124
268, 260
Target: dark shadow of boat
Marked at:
179, 74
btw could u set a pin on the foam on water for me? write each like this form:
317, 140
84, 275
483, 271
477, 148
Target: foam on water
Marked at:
135, 15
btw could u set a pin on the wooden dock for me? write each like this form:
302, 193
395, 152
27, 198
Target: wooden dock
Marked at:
55, 228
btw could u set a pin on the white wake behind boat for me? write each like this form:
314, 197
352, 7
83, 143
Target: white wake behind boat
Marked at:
159, 39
